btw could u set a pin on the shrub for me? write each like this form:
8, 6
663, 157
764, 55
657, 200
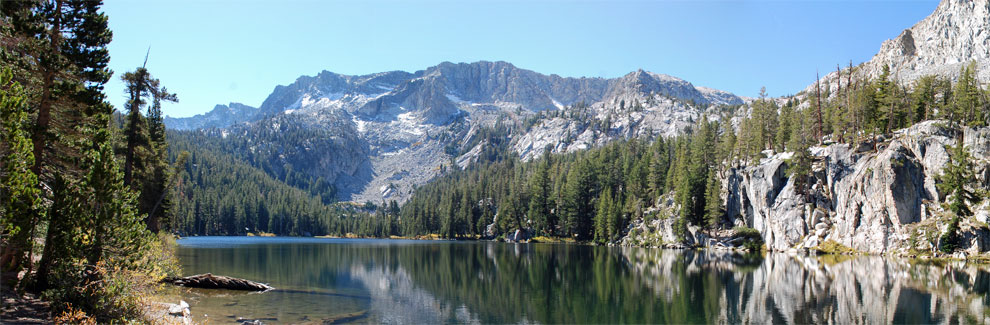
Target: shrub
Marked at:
949, 241
111, 291
752, 239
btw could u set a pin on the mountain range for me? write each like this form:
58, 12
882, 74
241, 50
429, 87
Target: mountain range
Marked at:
377, 136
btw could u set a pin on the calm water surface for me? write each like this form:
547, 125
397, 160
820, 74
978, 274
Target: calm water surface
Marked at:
394, 281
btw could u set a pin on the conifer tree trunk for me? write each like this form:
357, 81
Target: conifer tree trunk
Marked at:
853, 118
818, 106
41, 142
134, 119
40, 136
890, 111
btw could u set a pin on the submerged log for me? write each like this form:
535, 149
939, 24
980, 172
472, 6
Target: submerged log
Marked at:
346, 318
210, 281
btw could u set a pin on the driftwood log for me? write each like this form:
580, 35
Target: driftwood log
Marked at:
210, 281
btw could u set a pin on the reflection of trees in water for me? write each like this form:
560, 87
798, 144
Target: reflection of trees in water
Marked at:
510, 283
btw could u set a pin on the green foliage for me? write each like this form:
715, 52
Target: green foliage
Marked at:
146, 168
949, 240
799, 165
19, 193
218, 194
541, 200
764, 122
956, 177
835, 248
95, 242
752, 240
578, 200
967, 108
713, 201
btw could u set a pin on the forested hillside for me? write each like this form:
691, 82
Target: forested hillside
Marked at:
594, 194
219, 194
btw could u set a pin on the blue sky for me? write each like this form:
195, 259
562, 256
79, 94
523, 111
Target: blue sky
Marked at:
218, 51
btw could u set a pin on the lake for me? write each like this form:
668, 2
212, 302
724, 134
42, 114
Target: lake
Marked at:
405, 281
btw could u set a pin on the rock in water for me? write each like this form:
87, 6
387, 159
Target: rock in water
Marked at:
182, 309
210, 281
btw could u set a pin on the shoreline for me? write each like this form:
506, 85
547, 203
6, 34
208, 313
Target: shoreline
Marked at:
981, 258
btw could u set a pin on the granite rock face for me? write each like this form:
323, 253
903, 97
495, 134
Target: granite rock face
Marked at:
872, 200
955, 34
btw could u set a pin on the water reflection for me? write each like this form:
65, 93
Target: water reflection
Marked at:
377, 281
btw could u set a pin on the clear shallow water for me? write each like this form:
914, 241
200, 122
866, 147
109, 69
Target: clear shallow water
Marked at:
393, 281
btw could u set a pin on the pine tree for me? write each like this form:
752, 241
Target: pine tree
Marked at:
923, 100
615, 219
786, 126
146, 169
19, 192
539, 190
659, 166
713, 201
765, 118
799, 165
509, 213
966, 98
955, 178
579, 193
604, 205
886, 97
72, 69
112, 217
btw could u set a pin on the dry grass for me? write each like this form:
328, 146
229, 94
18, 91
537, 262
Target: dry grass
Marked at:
833, 247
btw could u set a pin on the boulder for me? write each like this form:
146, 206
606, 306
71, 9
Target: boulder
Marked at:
182, 309
519, 235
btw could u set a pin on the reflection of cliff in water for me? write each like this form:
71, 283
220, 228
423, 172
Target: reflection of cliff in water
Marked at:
471, 282
829, 289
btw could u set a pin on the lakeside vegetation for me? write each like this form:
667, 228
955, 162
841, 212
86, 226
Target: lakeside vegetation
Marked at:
85, 192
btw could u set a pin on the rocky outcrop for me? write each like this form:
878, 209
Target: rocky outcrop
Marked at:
872, 200
954, 35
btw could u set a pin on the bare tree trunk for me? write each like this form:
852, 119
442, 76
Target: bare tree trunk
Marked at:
854, 117
890, 111
838, 92
818, 95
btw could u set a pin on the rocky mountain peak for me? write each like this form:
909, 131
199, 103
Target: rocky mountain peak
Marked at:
644, 82
220, 116
957, 33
